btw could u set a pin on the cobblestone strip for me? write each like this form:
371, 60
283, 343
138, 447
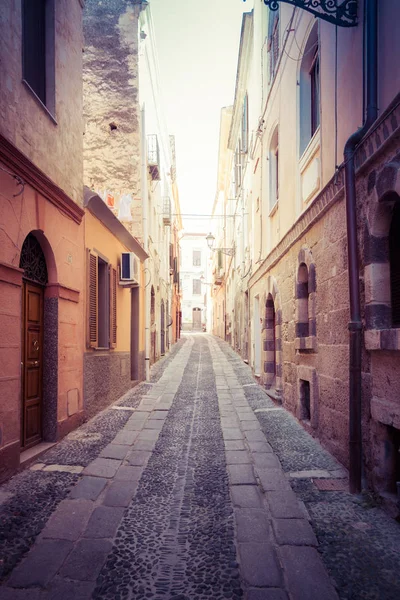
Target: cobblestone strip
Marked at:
276, 544
75, 542
176, 540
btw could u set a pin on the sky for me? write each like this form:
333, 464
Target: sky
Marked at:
198, 44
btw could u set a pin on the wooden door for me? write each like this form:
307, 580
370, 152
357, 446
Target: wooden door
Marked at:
196, 322
32, 365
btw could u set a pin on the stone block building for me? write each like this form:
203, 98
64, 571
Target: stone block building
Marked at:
301, 92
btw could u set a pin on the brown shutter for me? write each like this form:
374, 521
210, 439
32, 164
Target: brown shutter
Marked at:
113, 306
92, 306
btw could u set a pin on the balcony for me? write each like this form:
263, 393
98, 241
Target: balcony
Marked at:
166, 210
153, 157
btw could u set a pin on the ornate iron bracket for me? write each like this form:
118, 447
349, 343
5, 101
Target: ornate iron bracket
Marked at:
339, 12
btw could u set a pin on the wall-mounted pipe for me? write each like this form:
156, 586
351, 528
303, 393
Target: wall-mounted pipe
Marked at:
355, 324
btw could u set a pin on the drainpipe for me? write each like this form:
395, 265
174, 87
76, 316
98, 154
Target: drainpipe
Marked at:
355, 324
145, 202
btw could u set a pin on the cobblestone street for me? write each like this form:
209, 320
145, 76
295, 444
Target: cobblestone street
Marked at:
193, 486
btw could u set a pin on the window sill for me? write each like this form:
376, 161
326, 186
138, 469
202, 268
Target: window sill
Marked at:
308, 343
382, 339
38, 100
309, 151
274, 209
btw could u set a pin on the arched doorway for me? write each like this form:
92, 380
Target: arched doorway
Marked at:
35, 279
153, 326
162, 328
270, 343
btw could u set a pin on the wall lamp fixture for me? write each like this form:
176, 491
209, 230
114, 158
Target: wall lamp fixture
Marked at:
210, 243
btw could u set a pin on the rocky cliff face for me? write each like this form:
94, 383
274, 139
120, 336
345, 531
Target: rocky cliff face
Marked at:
111, 107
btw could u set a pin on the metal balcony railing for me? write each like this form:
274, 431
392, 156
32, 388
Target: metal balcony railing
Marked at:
153, 157
167, 210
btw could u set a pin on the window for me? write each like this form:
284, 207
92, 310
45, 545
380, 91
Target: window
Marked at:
394, 252
38, 49
197, 258
309, 90
102, 303
314, 80
238, 169
273, 42
302, 329
245, 125
274, 169
196, 286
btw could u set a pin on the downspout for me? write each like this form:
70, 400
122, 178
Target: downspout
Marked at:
355, 324
145, 202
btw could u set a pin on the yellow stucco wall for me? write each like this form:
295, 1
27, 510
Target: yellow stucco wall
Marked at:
99, 239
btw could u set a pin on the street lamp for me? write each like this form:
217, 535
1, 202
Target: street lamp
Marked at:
210, 243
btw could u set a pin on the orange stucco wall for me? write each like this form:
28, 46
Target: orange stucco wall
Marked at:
62, 242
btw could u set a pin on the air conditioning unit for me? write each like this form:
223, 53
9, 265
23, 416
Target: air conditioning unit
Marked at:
129, 269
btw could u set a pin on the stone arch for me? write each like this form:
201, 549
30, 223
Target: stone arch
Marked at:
272, 339
305, 295
377, 268
49, 356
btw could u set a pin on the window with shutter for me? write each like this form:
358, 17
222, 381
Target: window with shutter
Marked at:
113, 307
273, 42
101, 303
394, 249
92, 300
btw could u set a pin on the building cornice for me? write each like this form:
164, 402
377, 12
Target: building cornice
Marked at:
20, 164
99, 209
241, 76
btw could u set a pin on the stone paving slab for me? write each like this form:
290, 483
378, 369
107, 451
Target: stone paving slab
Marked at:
284, 505
62, 589
138, 458
259, 446
232, 434
272, 479
88, 487
120, 493
128, 473
115, 451
246, 496
294, 532
69, 519
259, 565
299, 562
241, 475
235, 445
252, 525
103, 467
267, 594
126, 437
86, 559
7, 593
103, 522
237, 457
41, 564
266, 460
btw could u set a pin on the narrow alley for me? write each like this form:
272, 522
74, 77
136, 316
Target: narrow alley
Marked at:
193, 486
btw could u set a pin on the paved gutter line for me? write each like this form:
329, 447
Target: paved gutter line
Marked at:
274, 539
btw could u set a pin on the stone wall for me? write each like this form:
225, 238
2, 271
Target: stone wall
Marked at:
107, 376
111, 103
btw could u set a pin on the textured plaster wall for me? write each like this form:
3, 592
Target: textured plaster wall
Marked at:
53, 146
101, 240
110, 84
63, 246
107, 377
